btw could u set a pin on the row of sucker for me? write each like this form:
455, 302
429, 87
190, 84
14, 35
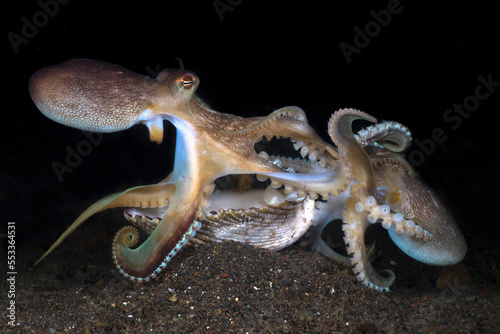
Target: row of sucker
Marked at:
311, 152
354, 226
382, 214
294, 113
128, 236
380, 135
296, 165
361, 208
314, 160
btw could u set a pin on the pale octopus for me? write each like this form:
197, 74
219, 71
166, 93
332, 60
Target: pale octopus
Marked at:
363, 180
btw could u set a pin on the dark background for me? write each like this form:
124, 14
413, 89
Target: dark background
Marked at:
254, 59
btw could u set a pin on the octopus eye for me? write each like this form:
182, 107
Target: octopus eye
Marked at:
188, 80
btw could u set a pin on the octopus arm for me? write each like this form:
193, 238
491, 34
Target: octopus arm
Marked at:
142, 196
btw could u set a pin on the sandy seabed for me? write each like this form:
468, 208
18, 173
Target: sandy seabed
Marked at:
235, 288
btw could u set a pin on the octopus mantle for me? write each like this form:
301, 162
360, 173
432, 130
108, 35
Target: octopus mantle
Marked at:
222, 189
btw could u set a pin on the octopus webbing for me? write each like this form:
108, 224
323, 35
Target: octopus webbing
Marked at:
274, 198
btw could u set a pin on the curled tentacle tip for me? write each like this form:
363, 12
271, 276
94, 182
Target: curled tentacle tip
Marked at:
379, 282
126, 236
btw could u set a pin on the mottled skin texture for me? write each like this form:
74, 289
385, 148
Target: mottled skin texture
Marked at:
101, 97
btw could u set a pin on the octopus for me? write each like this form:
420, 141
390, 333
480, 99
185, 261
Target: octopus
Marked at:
284, 182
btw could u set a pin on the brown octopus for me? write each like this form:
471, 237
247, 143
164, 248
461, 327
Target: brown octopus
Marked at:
363, 180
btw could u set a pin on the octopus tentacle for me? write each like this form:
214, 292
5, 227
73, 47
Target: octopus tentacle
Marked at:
327, 212
354, 227
351, 152
379, 137
287, 112
128, 236
157, 195
318, 180
392, 136
177, 226
130, 262
355, 219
